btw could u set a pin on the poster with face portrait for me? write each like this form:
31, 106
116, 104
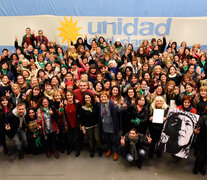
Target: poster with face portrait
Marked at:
177, 133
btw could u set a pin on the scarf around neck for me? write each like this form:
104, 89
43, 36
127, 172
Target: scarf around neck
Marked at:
46, 110
4, 71
133, 149
88, 107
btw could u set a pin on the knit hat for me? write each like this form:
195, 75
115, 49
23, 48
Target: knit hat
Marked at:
64, 66
70, 83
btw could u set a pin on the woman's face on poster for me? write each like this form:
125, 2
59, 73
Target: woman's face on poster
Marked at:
181, 127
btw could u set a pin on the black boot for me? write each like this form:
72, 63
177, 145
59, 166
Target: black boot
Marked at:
195, 170
77, 153
202, 171
159, 153
62, 150
5, 150
99, 150
139, 163
91, 153
21, 155
69, 150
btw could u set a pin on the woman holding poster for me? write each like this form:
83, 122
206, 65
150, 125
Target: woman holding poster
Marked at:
156, 120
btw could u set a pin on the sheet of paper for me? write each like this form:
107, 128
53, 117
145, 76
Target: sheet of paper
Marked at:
173, 104
158, 115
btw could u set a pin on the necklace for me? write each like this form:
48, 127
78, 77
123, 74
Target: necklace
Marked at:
70, 107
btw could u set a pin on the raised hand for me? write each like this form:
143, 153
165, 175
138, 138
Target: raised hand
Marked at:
80, 60
197, 130
97, 99
133, 101
61, 104
122, 141
149, 139
86, 35
7, 93
124, 105
77, 101
51, 112
24, 97
84, 131
7, 127
65, 102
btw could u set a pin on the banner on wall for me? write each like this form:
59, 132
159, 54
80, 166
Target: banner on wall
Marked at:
130, 29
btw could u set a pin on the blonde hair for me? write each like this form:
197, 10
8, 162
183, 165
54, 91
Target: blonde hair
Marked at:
55, 93
15, 85
203, 88
164, 106
154, 70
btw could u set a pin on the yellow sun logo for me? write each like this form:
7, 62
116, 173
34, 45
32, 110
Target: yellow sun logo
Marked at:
69, 30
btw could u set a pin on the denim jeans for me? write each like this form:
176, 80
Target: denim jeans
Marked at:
21, 135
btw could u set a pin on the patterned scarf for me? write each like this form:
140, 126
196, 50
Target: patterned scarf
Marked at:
89, 107
46, 110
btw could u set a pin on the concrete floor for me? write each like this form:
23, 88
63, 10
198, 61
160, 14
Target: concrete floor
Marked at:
97, 168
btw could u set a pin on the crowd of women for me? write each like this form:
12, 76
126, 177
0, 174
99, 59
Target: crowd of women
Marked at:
104, 91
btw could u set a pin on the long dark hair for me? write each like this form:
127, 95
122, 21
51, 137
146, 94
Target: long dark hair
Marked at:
27, 115
10, 106
89, 94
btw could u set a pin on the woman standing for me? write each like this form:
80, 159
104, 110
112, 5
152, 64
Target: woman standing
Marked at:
109, 125
35, 137
127, 107
141, 115
5, 108
72, 110
90, 122
201, 105
154, 128
61, 121
47, 117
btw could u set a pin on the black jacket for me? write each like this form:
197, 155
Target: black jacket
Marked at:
143, 115
141, 143
14, 122
201, 143
201, 106
88, 118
